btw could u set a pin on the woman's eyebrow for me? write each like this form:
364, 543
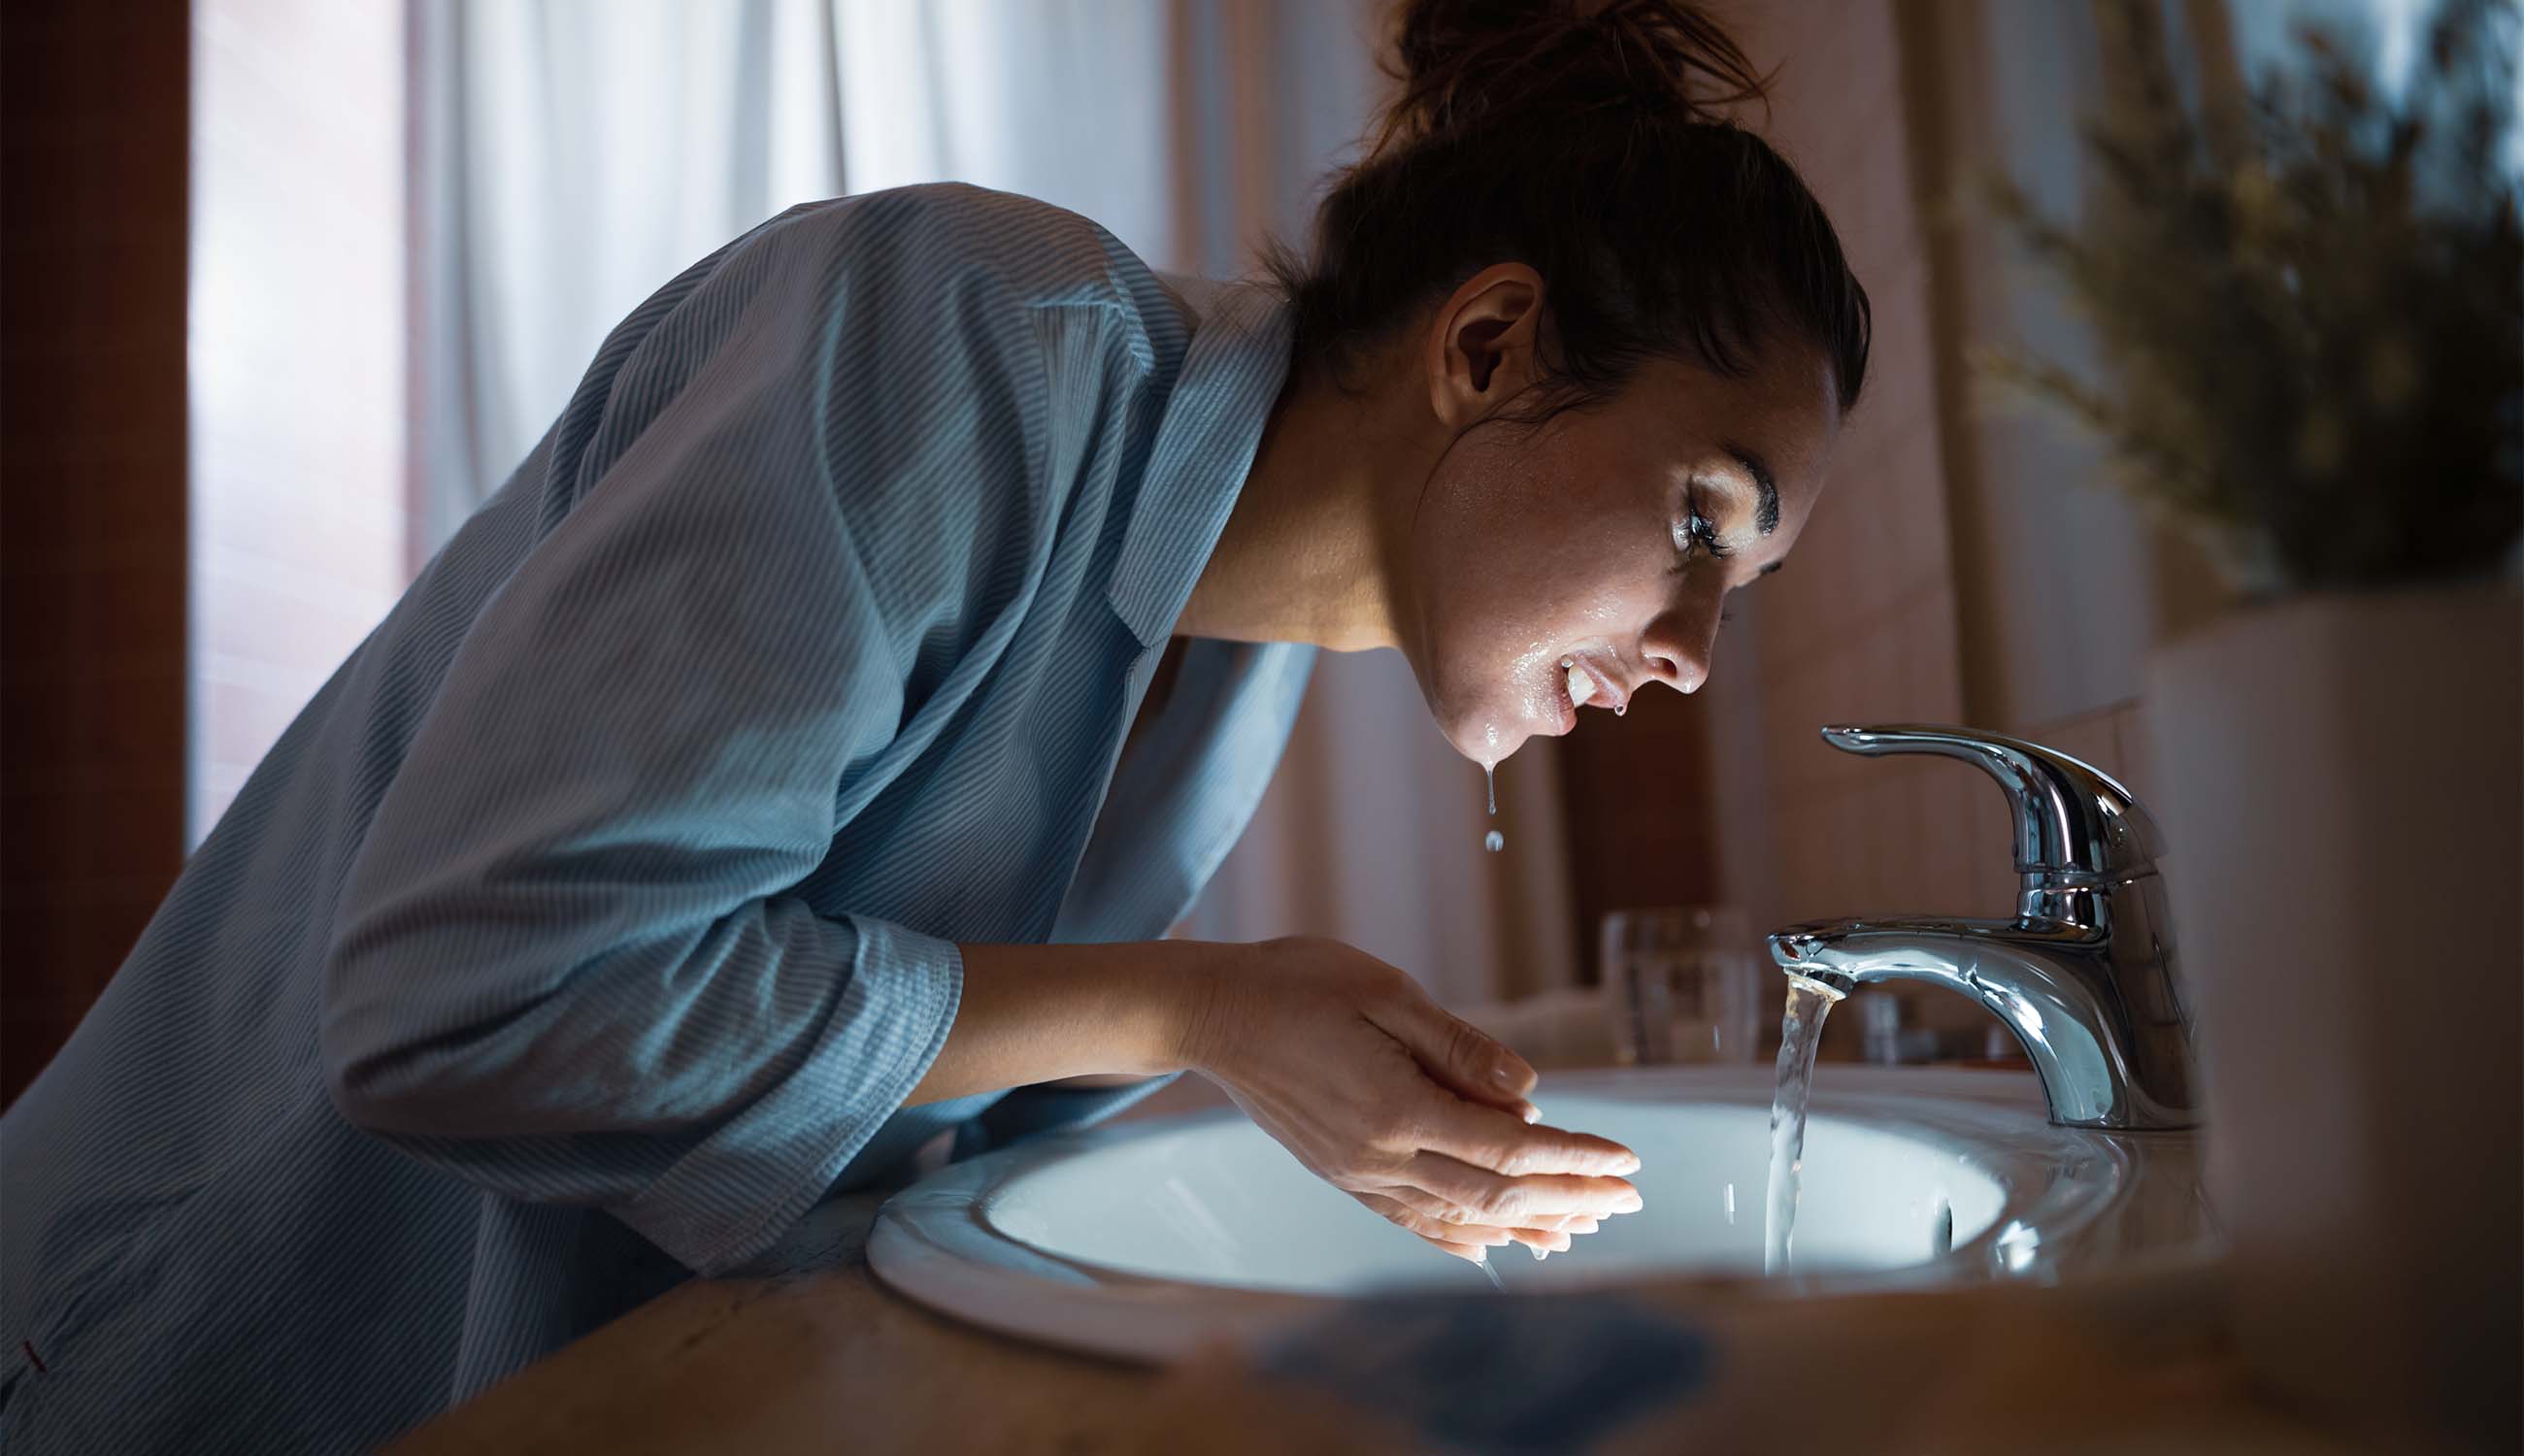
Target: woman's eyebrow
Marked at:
1766, 491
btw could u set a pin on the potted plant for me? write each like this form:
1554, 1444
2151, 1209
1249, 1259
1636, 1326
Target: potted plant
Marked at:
2311, 319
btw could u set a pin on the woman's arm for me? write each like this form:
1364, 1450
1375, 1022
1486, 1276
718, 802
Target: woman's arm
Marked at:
1044, 1014
1338, 1057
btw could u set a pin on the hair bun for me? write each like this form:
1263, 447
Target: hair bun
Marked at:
1469, 65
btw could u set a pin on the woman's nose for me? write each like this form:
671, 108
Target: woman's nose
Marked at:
1676, 646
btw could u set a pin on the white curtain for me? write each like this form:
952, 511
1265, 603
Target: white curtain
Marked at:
574, 154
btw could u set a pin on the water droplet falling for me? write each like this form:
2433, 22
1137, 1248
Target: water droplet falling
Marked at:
1493, 842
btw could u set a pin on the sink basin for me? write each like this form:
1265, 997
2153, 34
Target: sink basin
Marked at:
1144, 1239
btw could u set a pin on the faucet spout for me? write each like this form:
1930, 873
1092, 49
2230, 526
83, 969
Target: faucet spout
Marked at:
2104, 1061
2084, 974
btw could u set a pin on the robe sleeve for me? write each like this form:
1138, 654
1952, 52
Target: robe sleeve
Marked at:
569, 965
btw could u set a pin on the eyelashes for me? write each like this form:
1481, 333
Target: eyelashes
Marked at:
1696, 533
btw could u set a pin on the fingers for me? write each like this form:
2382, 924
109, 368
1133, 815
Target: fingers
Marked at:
1553, 1234
1542, 1242
1506, 1146
1464, 1240
1427, 1226
1550, 1234
1454, 1053
1440, 1230
1470, 1253
1479, 1196
1465, 1195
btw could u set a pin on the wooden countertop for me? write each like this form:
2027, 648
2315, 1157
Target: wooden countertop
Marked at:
811, 1354
822, 1359
815, 1358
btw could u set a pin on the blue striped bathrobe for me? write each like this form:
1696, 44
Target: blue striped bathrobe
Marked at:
605, 901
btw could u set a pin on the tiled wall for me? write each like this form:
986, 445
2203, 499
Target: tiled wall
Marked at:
297, 385
1863, 624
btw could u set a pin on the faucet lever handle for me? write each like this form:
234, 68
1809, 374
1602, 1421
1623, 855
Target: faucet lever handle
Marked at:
2073, 821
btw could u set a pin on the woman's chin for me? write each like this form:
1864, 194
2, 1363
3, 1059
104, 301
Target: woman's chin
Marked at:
1489, 740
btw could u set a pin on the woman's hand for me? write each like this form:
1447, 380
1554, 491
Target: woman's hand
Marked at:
1347, 1062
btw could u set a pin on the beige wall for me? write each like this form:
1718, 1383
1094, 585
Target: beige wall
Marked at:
1372, 828
1965, 567
1860, 626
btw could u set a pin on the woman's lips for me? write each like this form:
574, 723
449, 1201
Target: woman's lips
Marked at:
1579, 683
1574, 685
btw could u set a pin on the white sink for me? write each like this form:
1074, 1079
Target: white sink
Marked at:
1144, 1239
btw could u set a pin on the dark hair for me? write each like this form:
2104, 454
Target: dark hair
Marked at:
1579, 137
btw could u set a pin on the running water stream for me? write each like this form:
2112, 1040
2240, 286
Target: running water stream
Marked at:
1800, 1032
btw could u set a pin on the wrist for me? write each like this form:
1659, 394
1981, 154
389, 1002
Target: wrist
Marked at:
1195, 992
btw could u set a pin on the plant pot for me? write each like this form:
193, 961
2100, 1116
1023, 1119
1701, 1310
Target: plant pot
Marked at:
2341, 783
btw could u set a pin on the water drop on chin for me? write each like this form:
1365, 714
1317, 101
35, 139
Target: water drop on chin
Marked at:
1493, 842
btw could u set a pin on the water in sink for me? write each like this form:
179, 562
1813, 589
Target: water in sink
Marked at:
1800, 1034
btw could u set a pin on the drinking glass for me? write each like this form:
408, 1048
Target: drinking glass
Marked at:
1683, 984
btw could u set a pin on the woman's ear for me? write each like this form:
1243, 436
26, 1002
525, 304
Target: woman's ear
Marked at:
1482, 346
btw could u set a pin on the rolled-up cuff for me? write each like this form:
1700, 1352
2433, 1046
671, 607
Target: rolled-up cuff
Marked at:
735, 1195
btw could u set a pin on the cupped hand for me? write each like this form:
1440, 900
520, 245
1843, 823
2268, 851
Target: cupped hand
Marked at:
1380, 1093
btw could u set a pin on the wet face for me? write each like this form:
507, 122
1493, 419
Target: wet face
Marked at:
1578, 564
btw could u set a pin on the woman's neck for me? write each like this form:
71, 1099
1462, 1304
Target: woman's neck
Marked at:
1314, 550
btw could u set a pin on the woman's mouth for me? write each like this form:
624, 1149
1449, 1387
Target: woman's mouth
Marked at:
1574, 682
1579, 684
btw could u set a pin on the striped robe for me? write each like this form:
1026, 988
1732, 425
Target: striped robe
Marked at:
597, 915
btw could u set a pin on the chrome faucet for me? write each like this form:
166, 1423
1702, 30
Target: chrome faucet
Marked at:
2084, 974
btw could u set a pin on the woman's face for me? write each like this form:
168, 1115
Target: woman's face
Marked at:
1574, 565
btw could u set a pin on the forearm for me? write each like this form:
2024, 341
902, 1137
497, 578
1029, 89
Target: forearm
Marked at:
1043, 1013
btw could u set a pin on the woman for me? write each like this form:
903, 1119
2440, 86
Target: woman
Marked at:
798, 761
